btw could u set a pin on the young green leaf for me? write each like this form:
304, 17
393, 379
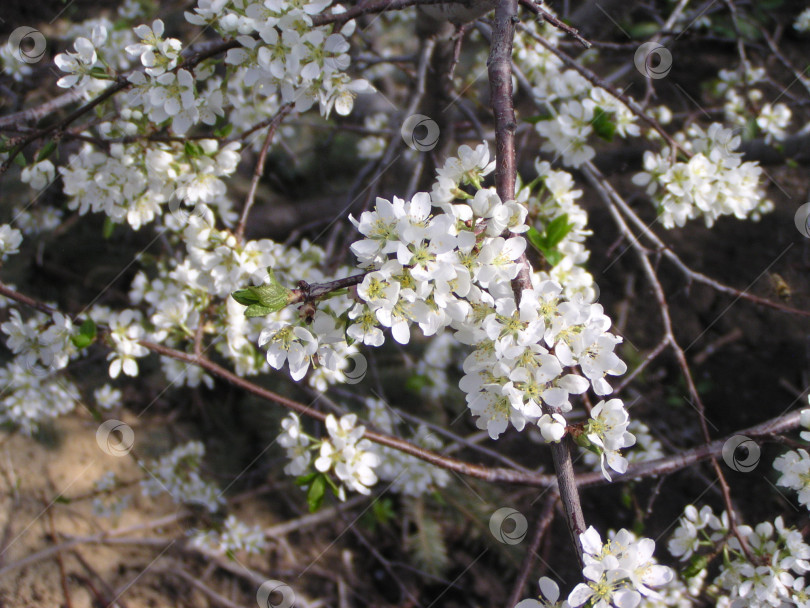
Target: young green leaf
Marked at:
533, 120
263, 299
696, 565
224, 131
107, 229
316, 492
86, 335
305, 480
537, 239
553, 256
603, 124
46, 150
557, 230
193, 149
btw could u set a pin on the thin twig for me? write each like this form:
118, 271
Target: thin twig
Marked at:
560, 25
259, 169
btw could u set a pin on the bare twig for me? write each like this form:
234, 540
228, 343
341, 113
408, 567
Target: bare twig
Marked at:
560, 25
259, 169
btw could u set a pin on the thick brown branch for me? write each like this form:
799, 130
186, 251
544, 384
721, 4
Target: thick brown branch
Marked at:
500, 81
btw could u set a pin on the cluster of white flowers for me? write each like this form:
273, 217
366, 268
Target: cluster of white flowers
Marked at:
107, 502
31, 397
107, 397
356, 462
166, 92
607, 432
620, 573
453, 269
177, 473
125, 331
134, 182
372, 146
519, 362
713, 183
645, 448
773, 577
34, 392
33, 221
215, 265
234, 537
576, 110
408, 475
351, 458
283, 54
41, 343
795, 466
80, 63
98, 51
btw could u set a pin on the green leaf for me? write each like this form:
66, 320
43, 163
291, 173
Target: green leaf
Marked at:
603, 124
108, 228
383, 510
533, 120
263, 299
193, 149
553, 256
224, 131
20, 160
257, 310
643, 30
696, 565
536, 239
245, 297
557, 230
305, 480
62, 499
273, 296
627, 498
316, 493
541, 243
46, 150
86, 335
416, 383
